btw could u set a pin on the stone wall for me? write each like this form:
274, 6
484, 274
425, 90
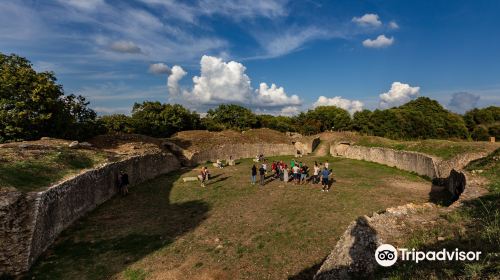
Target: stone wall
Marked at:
236, 151
223, 152
31, 222
410, 161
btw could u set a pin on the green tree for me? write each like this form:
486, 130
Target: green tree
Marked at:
362, 121
328, 117
280, 123
117, 123
232, 116
33, 105
163, 120
479, 120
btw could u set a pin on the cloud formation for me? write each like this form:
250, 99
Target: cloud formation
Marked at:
125, 47
393, 25
176, 74
368, 20
398, 94
227, 82
462, 102
159, 68
275, 96
351, 106
380, 42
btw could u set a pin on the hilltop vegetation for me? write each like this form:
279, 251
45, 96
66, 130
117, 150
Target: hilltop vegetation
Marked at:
34, 105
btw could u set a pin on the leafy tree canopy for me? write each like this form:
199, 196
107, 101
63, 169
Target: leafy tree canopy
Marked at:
33, 105
233, 116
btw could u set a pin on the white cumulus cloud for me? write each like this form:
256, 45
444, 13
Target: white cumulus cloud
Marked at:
226, 82
398, 94
368, 20
351, 106
275, 96
289, 111
380, 42
221, 81
177, 73
159, 68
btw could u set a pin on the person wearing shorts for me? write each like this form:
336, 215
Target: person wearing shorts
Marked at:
324, 180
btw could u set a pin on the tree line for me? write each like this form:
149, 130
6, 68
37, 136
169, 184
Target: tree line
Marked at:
33, 105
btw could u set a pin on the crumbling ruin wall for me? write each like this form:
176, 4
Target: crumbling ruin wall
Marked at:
353, 255
410, 161
31, 222
444, 172
306, 145
236, 151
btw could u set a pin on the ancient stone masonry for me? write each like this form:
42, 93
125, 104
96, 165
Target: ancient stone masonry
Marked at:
422, 164
29, 223
410, 161
353, 255
236, 151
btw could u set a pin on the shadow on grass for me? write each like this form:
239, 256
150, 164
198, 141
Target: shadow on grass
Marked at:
120, 232
308, 273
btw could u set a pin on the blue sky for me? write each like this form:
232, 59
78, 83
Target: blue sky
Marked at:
274, 56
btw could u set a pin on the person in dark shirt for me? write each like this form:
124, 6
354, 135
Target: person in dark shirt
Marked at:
123, 183
324, 179
254, 174
262, 172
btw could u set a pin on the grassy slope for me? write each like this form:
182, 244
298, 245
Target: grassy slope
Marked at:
34, 170
473, 227
442, 148
230, 230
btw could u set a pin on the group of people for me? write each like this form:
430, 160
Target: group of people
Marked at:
296, 172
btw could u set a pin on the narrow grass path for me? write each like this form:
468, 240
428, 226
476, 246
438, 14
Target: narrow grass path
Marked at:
167, 229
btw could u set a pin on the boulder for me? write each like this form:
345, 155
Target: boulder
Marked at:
73, 144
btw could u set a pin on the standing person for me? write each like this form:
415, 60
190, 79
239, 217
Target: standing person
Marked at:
296, 174
292, 163
285, 174
254, 174
303, 174
262, 173
123, 183
203, 176
327, 165
324, 179
316, 173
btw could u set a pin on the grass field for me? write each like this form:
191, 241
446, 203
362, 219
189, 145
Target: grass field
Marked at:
167, 229
34, 169
444, 149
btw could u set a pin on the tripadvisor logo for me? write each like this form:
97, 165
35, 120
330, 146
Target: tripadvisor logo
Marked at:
387, 255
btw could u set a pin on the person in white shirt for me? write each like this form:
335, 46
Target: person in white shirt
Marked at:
315, 174
296, 174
